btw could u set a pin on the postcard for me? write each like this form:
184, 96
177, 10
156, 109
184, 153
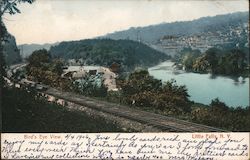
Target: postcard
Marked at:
137, 80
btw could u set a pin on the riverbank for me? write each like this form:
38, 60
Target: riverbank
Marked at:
244, 74
203, 88
217, 114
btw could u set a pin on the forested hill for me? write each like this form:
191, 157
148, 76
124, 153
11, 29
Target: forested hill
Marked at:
129, 54
151, 34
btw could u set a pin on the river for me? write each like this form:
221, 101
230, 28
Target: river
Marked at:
203, 88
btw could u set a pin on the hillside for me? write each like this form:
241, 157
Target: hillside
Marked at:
27, 49
170, 38
10, 50
151, 34
222, 31
129, 54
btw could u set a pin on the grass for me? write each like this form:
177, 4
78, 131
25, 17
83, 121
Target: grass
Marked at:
23, 112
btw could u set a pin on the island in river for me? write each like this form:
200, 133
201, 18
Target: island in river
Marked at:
203, 88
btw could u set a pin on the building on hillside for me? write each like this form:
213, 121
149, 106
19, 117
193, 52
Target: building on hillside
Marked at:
80, 72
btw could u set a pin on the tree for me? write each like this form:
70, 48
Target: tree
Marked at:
140, 81
218, 107
10, 6
57, 66
201, 65
91, 86
142, 90
42, 68
6, 6
39, 58
211, 56
237, 60
187, 57
176, 96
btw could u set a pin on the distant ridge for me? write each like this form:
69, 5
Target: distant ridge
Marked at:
27, 49
152, 33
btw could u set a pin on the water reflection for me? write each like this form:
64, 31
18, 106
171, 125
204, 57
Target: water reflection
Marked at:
212, 76
202, 88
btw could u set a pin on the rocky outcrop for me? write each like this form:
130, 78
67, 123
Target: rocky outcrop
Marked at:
10, 50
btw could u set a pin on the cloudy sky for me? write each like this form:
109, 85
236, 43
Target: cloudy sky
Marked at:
48, 21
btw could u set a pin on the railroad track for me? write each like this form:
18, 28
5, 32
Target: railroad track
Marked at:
164, 123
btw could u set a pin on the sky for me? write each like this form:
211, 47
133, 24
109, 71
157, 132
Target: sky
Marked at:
49, 21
